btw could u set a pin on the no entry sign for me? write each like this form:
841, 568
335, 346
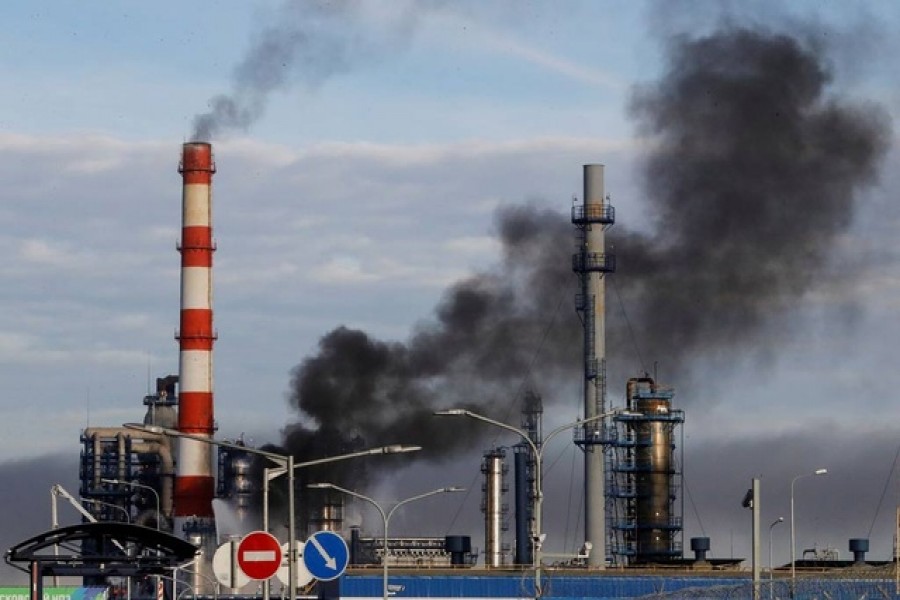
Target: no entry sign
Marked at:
259, 555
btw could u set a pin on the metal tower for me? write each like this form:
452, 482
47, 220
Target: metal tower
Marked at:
645, 478
525, 472
591, 263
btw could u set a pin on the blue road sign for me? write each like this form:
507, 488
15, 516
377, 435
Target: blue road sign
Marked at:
326, 555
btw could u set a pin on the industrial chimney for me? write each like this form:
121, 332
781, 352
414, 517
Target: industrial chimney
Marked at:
194, 481
591, 263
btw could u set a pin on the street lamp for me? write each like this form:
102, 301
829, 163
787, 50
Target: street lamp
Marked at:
385, 516
271, 474
537, 538
771, 573
111, 505
286, 462
215, 582
793, 535
140, 485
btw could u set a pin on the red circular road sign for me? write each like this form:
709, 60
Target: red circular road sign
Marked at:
259, 555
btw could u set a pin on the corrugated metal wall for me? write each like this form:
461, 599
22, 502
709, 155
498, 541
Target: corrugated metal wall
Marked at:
604, 587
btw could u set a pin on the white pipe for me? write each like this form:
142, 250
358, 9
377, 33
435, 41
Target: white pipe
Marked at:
148, 443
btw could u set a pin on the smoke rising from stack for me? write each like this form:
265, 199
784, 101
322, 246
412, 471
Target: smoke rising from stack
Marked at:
754, 173
306, 44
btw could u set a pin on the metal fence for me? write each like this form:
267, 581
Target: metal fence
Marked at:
780, 589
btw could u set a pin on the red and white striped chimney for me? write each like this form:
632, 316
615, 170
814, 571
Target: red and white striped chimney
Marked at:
194, 483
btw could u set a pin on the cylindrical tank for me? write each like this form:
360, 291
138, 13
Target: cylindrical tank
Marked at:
200, 577
236, 480
653, 480
859, 547
458, 546
328, 514
654, 522
354, 546
493, 468
161, 406
700, 546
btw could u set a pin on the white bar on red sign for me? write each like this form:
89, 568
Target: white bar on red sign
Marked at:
259, 555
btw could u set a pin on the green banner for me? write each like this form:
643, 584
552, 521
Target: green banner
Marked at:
55, 593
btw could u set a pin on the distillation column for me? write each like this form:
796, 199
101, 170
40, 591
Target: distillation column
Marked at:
650, 526
194, 480
493, 468
591, 263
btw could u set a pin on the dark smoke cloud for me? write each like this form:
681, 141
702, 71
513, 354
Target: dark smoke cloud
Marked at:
489, 333
755, 172
307, 43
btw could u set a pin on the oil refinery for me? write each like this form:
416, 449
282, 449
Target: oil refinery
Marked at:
167, 473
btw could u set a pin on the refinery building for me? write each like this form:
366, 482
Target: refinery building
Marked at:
168, 473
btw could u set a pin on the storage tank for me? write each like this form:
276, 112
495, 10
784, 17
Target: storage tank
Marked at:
494, 469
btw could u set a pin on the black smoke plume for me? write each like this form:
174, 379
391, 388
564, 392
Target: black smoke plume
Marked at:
489, 333
305, 44
755, 171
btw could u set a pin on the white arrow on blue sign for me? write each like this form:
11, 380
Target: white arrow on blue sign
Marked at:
326, 555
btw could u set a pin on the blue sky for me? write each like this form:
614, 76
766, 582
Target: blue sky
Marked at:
359, 199
130, 70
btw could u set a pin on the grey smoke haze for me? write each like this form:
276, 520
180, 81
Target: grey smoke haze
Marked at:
305, 44
25, 495
755, 171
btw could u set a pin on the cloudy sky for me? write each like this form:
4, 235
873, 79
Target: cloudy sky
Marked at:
366, 152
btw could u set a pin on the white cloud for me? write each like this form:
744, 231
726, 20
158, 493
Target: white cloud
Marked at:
24, 349
343, 270
473, 246
43, 252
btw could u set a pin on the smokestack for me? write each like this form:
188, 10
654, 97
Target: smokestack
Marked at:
194, 482
591, 263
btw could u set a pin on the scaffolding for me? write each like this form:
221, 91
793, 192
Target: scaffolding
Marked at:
644, 478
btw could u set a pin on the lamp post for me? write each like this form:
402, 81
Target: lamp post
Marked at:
214, 582
271, 474
268, 475
287, 465
111, 505
537, 537
285, 461
146, 487
140, 485
793, 533
385, 516
771, 574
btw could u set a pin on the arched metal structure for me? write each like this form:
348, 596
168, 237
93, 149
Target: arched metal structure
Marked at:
99, 549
